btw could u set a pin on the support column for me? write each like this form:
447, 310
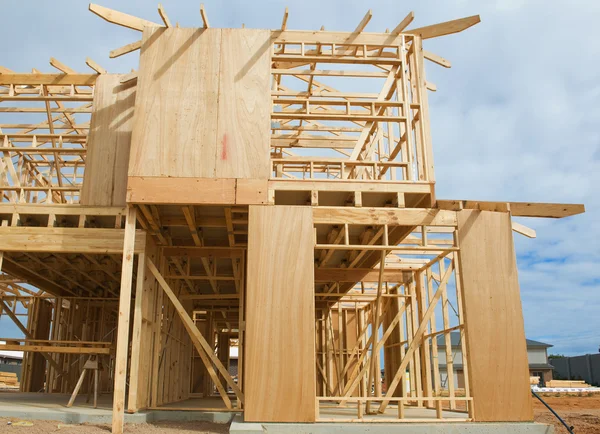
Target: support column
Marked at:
123, 325
498, 371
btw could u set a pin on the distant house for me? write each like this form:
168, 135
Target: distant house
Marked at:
537, 355
11, 361
10, 357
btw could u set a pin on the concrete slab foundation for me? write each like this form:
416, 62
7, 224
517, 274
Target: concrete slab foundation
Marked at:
40, 406
240, 427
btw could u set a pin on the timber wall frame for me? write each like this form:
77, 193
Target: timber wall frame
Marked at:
157, 218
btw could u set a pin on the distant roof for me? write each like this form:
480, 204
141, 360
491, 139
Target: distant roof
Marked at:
455, 341
18, 355
537, 344
11, 354
540, 366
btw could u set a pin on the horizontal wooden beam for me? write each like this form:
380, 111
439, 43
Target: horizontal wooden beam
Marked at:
35, 79
204, 252
368, 38
348, 185
384, 216
180, 191
61, 209
55, 349
66, 240
357, 275
517, 209
327, 37
210, 297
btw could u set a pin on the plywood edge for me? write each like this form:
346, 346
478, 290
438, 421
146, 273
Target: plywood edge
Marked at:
180, 191
67, 240
197, 191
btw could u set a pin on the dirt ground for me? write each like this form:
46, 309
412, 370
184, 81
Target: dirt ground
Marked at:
580, 412
49, 426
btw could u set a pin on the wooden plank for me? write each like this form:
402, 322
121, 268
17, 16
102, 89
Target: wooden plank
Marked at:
404, 23
60, 209
523, 230
517, 209
180, 191
350, 186
279, 360
436, 59
205, 22
381, 216
35, 79
357, 275
105, 176
95, 66
123, 324
125, 49
199, 252
120, 18
244, 109
50, 349
175, 131
445, 28
65, 240
496, 340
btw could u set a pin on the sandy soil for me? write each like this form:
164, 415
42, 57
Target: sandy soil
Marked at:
49, 426
580, 412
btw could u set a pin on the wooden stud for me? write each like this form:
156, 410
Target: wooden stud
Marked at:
123, 326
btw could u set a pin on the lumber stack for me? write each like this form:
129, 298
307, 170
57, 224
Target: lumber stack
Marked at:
567, 383
8, 380
534, 380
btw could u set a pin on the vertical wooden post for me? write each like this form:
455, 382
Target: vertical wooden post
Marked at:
123, 325
132, 404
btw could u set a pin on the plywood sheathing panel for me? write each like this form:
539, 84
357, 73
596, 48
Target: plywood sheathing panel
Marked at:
244, 104
493, 318
203, 104
175, 125
108, 146
280, 359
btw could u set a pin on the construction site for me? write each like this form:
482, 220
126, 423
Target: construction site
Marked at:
222, 234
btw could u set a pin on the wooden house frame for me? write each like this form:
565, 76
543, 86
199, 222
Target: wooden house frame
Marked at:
226, 192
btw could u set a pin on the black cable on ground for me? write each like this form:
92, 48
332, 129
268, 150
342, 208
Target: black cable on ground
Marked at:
569, 428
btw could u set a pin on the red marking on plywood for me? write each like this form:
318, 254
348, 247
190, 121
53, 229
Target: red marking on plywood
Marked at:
224, 147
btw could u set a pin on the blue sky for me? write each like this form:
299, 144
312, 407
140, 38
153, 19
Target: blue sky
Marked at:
515, 119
